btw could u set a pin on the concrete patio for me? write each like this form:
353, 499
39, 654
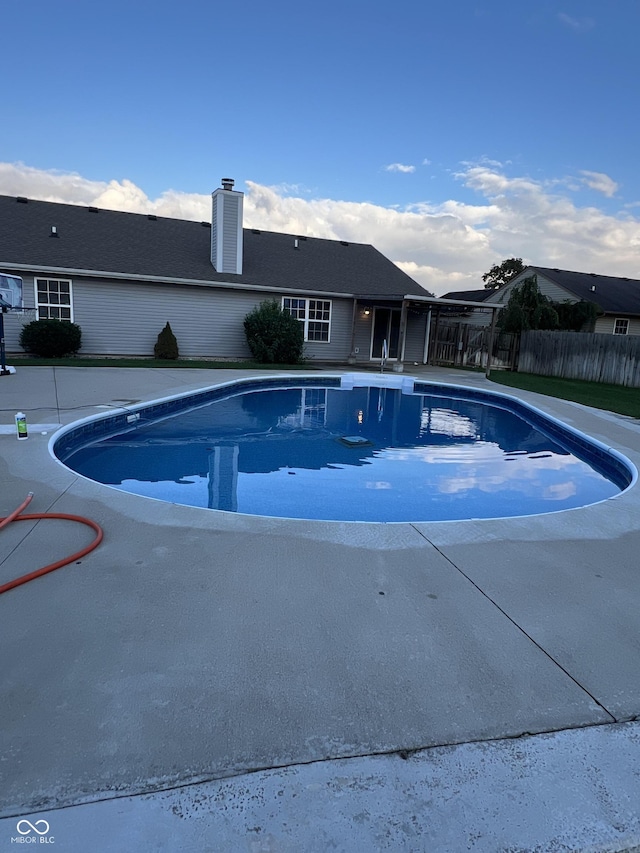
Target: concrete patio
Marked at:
211, 681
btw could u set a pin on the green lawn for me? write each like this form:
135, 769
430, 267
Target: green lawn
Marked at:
149, 362
613, 398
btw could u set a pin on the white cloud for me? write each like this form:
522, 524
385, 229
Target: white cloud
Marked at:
426, 162
600, 182
290, 189
577, 24
445, 246
399, 167
485, 161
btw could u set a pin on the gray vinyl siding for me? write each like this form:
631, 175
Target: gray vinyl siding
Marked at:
207, 322
545, 286
122, 318
414, 345
125, 318
605, 325
339, 345
553, 291
362, 338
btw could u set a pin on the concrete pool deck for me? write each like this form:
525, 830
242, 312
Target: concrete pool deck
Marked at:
211, 681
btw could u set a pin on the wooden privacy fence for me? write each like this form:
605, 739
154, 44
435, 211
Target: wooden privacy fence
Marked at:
582, 355
463, 344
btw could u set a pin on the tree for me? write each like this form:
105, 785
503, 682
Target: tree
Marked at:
273, 335
500, 274
527, 309
166, 347
576, 316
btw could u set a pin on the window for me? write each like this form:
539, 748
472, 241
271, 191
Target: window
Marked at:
53, 299
621, 326
312, 411
313, 314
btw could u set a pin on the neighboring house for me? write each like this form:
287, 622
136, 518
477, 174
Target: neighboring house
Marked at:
468, 313
122, 276
617, 298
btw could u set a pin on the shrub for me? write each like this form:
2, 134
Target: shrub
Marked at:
166, 346
273, 335
51, 338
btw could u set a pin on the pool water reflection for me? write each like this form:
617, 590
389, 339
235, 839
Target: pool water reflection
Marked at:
282, 453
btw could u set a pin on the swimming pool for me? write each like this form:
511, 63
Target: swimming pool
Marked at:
347, 448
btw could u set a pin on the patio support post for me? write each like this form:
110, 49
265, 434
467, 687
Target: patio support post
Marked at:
427, 333
490, 342
398, 366
352, 354
435, 338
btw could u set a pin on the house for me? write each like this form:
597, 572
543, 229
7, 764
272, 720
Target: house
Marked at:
122, 276
468, 313
618, 299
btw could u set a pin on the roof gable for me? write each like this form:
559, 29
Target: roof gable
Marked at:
146, 246
611, 293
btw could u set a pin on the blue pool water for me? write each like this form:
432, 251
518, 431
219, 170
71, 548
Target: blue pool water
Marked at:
367, 454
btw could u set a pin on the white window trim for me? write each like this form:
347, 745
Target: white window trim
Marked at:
37, 304
306, 321
624, 320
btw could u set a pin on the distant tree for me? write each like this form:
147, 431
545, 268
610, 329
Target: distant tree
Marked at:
500, 274
528, 309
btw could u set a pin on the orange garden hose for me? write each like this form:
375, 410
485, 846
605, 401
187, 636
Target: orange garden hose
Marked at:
16, 516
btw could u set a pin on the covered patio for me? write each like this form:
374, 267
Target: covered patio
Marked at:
403, 331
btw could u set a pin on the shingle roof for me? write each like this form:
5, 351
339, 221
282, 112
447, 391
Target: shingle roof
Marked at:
614, 295
158, 247
471, 295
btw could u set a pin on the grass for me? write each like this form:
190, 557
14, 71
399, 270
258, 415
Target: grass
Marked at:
613, 398
201, 364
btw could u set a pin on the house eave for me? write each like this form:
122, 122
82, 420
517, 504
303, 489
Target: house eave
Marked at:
229, 285
437, 301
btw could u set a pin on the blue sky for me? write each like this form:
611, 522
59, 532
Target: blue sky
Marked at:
449, 134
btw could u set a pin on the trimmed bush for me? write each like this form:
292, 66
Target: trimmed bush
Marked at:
51, 338
166, 346
273, 335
